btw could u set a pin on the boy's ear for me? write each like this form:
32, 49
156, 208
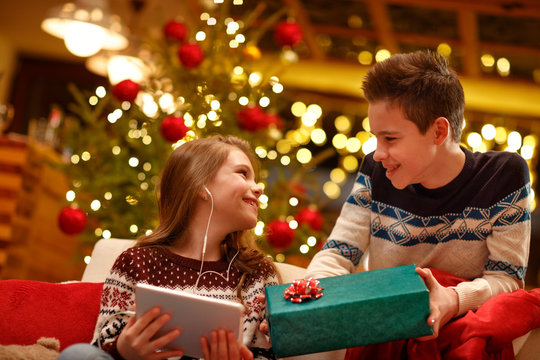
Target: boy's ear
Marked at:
441, 128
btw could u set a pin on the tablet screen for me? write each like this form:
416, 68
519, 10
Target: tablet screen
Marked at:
194, 315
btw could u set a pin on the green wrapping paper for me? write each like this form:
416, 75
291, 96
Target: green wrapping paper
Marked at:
356, 309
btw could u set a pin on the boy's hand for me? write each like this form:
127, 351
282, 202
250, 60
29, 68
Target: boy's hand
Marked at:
443, 303
136, 341
223, 346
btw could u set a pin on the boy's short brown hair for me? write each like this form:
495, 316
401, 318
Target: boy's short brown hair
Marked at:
422, 85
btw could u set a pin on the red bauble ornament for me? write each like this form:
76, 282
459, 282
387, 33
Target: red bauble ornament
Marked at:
126, 90
280, 235
72, 220
175, 30
310, 216
173, 128
288, 33
190, 55
252, 118
274, 119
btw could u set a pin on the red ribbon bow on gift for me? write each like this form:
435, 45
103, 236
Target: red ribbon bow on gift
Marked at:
303, 290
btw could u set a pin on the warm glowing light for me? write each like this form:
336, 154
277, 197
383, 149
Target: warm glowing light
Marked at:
514, 141
312, 241
85, 156
350, 163
444, 49
309, 119
353, 145
298, 108
343, 123
304, 156
255, 79
318, 136
503, 66
500, 135
293, 201
339, 141
83, 39
75, 159
474, 140
527, 152
107, 195
106, 234
283, 146
285, 160
332, 190
70, 195
365, 58
95, 205
315, 109
369, 146
487, 60
259, 228
304, 249
101, 92
338, 176
489, 132
116, 150
264, 101
365, 124
133, 162
382, 55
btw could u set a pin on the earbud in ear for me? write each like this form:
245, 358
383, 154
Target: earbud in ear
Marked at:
208, 192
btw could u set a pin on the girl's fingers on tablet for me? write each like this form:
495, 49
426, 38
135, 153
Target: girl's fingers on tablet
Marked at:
213, 345
143, 321
223, 346
234, 352
205, 348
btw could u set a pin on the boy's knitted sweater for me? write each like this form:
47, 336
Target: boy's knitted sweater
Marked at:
160, 267
476, 227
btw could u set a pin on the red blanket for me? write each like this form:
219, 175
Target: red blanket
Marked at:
484, 334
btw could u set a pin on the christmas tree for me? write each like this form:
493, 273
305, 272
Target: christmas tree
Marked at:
198, 82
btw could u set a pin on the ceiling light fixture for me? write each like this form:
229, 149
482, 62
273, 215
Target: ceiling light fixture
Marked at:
86, 27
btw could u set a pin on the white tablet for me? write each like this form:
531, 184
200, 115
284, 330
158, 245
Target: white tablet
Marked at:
194, 315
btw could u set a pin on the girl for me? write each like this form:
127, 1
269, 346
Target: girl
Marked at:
207, 203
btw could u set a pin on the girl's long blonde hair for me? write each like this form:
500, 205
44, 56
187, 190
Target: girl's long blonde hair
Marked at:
188, 168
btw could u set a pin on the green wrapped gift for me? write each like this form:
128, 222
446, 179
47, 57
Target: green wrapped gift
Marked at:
355, 309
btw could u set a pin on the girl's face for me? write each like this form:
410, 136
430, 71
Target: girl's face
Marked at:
405, 153
235, 193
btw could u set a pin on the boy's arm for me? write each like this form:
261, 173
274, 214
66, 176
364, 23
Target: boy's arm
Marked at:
350, 236
508, 246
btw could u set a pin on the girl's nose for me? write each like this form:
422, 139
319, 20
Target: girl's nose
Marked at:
257, 190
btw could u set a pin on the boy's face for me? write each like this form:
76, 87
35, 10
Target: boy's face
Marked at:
405, 153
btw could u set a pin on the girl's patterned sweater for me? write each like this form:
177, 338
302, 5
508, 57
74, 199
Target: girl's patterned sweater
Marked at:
160, 267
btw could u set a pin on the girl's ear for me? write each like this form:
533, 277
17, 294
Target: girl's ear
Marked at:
441, 128
203, 194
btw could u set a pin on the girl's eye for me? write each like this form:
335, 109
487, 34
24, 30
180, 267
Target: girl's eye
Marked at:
390, 139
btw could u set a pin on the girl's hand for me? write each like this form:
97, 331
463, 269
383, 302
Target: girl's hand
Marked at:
443, 303
136, 341
223, 346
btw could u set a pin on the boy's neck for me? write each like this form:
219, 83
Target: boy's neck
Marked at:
447, 166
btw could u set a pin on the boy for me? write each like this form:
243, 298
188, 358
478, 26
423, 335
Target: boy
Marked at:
422, 199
